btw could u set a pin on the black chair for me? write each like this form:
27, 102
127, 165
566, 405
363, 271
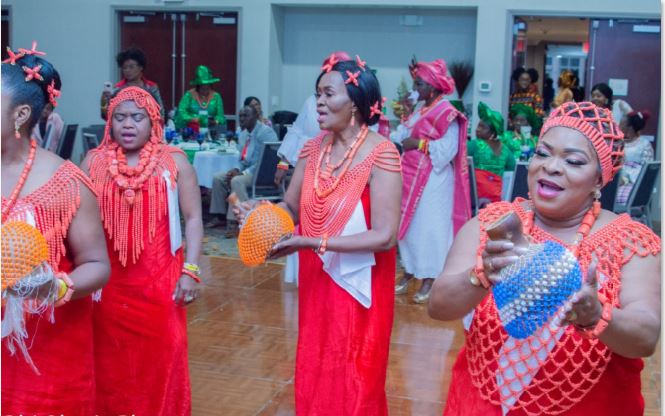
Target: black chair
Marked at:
472, 186
640, 196
90, 142
281, 120
609, 193
519, 186
263, 185
66, 146
96, 129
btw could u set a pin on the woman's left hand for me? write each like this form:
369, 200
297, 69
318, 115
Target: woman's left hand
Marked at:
584, 309
186, 290
290, 245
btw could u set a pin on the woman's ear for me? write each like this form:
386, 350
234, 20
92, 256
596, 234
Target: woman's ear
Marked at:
22, 114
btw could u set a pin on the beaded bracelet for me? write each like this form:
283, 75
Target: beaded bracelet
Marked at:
282, 165
603, 322
66, 289
191, 274
192, 268
323, 244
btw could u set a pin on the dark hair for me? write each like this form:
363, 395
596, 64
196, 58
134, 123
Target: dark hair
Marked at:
34, 92
606, 90
133, 53
533, 73
366, 94
248, 107
249, 100
637, 119
517, 72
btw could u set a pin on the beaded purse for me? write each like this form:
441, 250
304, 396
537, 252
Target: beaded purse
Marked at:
28, 282
263, 227
532, 289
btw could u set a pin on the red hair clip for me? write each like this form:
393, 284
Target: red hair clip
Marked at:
53, 93
330, 62
32, 73
32, 51
352, 77
360, 62
13, 57
375, 109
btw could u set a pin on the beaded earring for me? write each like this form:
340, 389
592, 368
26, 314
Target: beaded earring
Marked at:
597, 194
17, 127
353, 118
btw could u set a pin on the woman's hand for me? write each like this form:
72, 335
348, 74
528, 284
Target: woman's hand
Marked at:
186, 291
291, 245
497, 255
242, 208
583, 310
410, 144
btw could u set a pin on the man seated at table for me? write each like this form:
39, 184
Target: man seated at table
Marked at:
250, 142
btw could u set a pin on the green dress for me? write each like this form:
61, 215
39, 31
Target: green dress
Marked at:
485, 159
515, 143
190, 108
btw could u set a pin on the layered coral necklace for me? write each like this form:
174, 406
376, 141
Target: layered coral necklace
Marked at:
13, 197
325, 173
582, 232
131, 179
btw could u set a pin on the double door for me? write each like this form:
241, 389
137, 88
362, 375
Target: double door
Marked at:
176, 43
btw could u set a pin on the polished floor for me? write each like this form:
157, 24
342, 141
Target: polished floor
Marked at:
242, 337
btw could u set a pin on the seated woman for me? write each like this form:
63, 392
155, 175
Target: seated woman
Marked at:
201, 104
526, 125
132, 62
637, 152
587, 358
491, 157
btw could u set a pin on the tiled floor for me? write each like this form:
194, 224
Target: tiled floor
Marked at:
242, 337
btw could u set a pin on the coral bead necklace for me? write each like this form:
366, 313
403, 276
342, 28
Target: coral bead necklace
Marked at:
13, 197
323, 174
131, 179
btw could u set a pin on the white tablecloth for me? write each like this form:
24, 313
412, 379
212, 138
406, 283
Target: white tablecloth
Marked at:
207, 163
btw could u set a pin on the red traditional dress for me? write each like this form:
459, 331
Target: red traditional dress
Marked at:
62, 351
140, 333
342, 352
562, 373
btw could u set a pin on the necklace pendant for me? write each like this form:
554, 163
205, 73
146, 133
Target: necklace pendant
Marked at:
129, 195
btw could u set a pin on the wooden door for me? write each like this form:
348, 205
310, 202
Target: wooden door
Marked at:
628, 49
175, 43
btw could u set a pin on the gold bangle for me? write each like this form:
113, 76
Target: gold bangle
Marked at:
473, 278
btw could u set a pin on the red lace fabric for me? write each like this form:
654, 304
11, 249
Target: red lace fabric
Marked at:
62, 351
575, 365
116, 211
319, 215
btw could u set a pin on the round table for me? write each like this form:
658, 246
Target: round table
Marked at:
209, 162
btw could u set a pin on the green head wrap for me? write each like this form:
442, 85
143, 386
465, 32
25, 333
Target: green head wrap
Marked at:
527, 111
491, 117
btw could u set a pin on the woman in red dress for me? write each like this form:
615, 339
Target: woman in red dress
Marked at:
43, 190
141, 323
346, 194
587, 360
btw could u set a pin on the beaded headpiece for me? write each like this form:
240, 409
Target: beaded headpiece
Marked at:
144, 100
334, 58
598, 126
